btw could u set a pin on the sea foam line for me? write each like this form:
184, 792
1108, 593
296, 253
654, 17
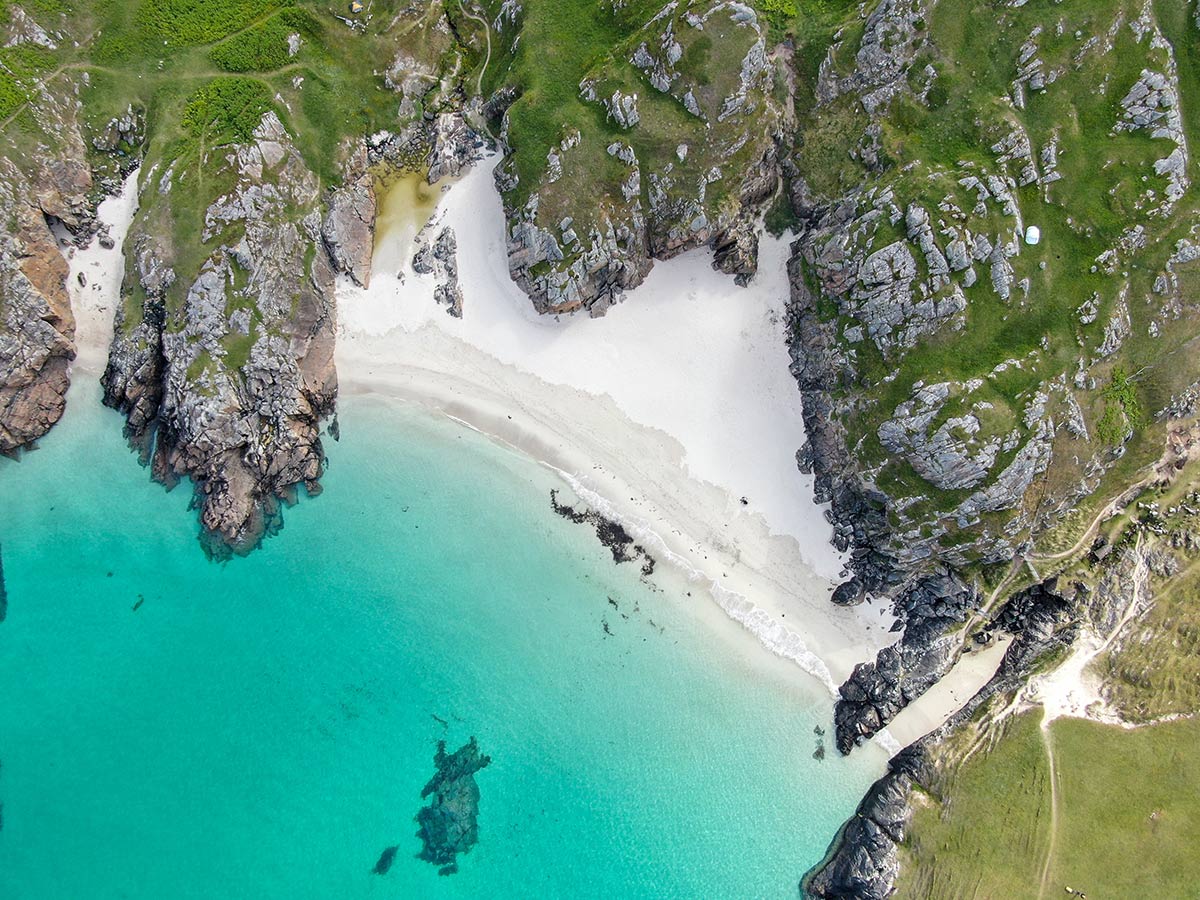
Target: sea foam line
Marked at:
772, 634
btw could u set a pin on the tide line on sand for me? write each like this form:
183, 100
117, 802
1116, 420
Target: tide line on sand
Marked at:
675, 413
771, 632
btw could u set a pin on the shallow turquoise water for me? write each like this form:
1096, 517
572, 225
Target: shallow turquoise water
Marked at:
264, 728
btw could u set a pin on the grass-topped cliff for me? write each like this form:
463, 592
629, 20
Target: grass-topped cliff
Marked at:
998, 390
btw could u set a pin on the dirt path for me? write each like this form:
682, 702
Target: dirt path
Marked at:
1048, 742
487, 30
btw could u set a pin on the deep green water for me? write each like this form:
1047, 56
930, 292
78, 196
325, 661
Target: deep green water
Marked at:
264, 728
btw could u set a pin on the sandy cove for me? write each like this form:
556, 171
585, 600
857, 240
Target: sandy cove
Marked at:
664, 413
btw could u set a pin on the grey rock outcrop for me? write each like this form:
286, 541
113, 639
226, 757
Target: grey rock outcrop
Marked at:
891, 41
236, 409
665, 204
876, 691
863, 862
448, 293
349, 226
454, 146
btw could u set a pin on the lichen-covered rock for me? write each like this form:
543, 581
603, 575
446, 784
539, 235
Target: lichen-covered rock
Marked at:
233, 402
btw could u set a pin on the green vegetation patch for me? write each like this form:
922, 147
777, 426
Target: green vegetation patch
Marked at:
1128, 809
227, 108
12, 95
1124, 819
1122, 409
264, 47
190, 23
987, 836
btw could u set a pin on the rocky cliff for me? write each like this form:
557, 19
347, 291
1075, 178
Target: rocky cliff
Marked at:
45, 197
672, 144
224, 375
989, 330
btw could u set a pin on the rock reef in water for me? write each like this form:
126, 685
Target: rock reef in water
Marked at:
3, 591
449, 824
386, 858
609, 532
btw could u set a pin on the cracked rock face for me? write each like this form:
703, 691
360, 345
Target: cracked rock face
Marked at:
37, 328
709, 192
225, 376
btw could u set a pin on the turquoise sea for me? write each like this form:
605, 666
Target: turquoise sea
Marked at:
263, 728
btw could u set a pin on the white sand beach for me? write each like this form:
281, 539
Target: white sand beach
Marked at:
95, 303
664, 413
929, 711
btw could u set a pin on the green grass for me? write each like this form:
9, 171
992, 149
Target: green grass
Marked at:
11, 95
264, 47
226, 109
1122, 409
987, 836
560, 43
192, 23
1127, 826
1130, 820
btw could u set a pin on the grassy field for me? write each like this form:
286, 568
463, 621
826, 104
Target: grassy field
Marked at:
1125, 819
988, 837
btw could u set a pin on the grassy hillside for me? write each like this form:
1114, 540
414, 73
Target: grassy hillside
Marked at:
1121, 821
1088, 298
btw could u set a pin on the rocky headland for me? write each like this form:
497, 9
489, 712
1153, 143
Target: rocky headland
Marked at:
46, 195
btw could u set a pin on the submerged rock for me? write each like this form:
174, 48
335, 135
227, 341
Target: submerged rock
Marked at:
3, 591
386, 858
449, 824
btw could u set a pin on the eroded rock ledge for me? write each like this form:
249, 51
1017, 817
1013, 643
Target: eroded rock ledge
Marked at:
226, 379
